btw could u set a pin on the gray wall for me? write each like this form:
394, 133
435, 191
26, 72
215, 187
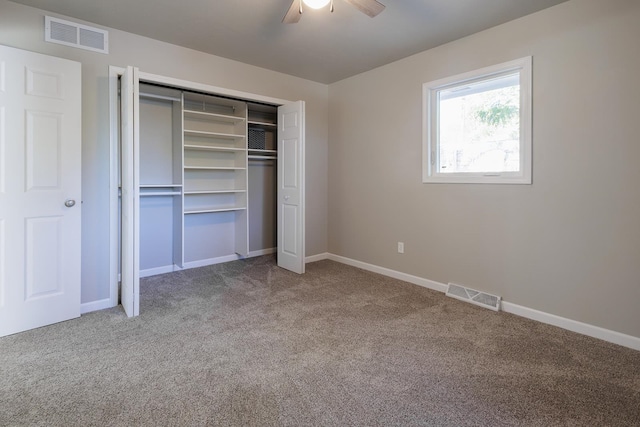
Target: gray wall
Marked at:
570, 243
22, 27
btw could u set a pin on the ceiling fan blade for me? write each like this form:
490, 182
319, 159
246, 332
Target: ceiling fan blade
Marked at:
294, 12
368, 7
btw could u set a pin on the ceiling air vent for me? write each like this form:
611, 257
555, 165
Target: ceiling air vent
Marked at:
75, 35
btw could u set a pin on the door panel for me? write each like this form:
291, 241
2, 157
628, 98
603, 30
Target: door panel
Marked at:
291, 187
43, 150
290, 226
290, 162
44, 83
43, 246
40, 158
130, 281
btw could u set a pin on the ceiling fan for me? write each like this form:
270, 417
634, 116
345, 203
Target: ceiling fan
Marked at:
368, 7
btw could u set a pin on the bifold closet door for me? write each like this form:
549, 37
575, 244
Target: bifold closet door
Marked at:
291, 217
129, 104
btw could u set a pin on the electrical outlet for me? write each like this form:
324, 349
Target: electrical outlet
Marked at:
400, 247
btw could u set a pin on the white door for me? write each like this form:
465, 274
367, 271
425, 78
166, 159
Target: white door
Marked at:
291, 243
40, 212
129, 104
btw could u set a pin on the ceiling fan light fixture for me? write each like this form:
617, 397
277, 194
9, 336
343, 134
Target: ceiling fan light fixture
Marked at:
316, 4
368, 7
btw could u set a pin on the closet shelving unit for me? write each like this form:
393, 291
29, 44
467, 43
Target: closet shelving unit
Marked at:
207, 181
215, 168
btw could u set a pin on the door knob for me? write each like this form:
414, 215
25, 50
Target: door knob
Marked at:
69, 203
286, 197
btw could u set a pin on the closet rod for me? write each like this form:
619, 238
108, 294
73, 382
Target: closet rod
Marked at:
163, 97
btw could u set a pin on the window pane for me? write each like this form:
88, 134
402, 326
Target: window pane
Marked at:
479, 126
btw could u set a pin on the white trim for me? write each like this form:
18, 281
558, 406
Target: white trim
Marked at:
573, 325
529, 313
88, 307
114, 139
261, 252
317, 257
426, 283
159, 270
214, 90
212, 261
430, 131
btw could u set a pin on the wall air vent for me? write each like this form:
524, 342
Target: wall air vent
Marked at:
482, 299
75, 35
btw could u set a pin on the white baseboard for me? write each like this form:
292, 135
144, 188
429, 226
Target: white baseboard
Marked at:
227, 258
529, 313
88, 307
261, 252
436, 286
211, 261
318, 257
203, 263
573, 325
159, 270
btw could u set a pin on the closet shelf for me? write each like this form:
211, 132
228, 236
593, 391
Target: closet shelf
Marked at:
262, 150
159, 193
211, 148
212, 134
266, 124
213, 210
219, 168
147, 190
187, 193
213, 116
254, 157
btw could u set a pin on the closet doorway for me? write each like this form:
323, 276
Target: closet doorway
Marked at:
191, 167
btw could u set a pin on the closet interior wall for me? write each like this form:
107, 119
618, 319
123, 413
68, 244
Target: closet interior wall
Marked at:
160, 180
207, 179
263, 173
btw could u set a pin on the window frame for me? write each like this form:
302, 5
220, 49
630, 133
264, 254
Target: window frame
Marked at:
430, 131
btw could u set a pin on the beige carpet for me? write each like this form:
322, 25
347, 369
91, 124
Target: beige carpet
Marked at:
248, 344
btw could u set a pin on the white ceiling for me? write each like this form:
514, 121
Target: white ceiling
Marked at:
323, 47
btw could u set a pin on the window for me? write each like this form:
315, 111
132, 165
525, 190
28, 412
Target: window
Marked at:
477, 126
